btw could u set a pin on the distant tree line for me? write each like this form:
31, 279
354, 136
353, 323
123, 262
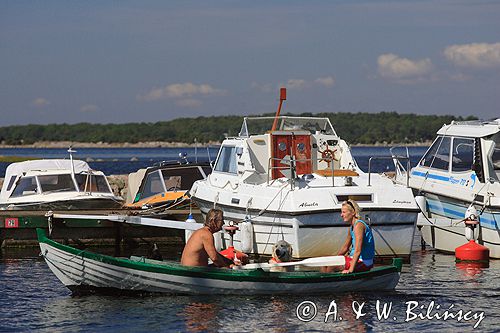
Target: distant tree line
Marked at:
355, 128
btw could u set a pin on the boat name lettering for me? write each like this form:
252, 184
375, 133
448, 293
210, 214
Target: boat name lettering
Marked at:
308, 204
308, 310
396, 201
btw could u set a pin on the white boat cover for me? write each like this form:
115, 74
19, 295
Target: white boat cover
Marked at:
15, 169
472, 129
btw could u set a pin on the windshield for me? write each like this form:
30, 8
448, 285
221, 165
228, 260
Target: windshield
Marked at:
92, 183
59, 183
25, 186
261, 125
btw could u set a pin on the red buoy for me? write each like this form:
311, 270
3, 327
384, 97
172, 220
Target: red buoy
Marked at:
472, 251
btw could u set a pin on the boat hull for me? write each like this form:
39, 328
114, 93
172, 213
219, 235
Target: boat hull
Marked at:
76, 204
82, 270
320, 233
440, 232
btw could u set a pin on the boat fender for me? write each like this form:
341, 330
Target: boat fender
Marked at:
471, 221
422, 204
218, 240
246, 234
188, 233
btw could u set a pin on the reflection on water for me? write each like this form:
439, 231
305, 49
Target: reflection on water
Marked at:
33, 299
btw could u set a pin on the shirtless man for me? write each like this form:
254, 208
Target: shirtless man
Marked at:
200, 245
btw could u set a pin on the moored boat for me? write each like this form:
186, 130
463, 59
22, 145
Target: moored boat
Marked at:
457, 177
84, 271
56, 184
163, 186
288, 176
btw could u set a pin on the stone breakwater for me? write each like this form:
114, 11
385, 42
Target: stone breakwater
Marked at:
118, 183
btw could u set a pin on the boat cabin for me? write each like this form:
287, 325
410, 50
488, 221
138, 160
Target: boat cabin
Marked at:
463, 153
29, 178
163, 183
298, 146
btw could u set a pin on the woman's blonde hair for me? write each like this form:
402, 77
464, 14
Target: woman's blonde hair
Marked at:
214, 220
353, 207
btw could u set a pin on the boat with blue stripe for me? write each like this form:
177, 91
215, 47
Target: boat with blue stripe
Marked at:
458, 174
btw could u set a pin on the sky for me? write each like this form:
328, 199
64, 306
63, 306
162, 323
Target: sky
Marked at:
147, 61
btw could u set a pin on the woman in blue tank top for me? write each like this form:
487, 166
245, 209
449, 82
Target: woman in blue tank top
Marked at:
359, 240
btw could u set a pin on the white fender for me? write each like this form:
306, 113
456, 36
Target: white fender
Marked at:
246, 234
218, 242
188, 233
422, 204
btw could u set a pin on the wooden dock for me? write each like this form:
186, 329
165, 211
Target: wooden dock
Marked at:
18, 228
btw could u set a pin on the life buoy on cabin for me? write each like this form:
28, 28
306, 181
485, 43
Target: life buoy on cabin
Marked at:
246, 234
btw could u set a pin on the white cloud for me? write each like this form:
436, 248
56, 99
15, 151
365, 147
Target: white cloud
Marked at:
296, 84
188, 103
476, 55
328, 81
180, 90
89, 108
40, 102
391, 66
263, 87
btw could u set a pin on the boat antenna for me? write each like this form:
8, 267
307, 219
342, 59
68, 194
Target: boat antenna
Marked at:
71, 151
195, 150
282, 98
209, 158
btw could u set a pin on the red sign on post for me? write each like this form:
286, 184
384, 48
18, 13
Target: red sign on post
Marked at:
11, 222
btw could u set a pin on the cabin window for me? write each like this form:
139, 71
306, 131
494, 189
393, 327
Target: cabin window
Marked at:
438, 156
11, 182
59, 183
227, 160
181, 179
25, 186
92, 183
463, 154
153, 185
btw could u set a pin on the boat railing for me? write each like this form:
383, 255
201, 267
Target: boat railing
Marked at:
291, 166
394, 158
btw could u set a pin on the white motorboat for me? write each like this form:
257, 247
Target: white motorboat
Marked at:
459, 174
56, 184
289, 183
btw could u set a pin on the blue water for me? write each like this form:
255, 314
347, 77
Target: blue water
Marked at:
32, 299
114, 161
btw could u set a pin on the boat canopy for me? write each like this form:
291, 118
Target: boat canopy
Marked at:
261, 125
51, 168
472, 129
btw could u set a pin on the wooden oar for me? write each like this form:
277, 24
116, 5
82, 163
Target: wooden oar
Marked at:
310, 262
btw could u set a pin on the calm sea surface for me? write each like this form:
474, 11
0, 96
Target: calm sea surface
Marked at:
32, 299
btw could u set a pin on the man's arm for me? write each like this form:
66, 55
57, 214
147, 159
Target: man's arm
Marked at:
218, 259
